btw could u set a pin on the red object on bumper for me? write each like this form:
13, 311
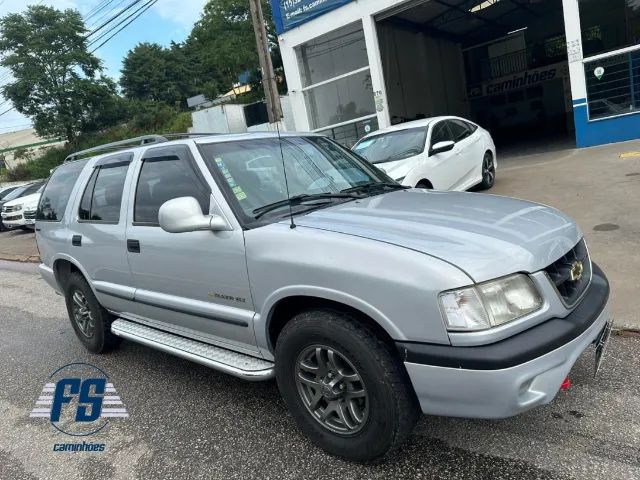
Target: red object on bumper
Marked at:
565, 385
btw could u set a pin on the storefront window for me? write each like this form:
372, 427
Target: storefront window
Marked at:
339, 101
348, 135
332, 55
336, 78
609, 25
613, 85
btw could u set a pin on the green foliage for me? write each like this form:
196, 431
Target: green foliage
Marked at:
168, 75
56, 80
223, 43
161, 119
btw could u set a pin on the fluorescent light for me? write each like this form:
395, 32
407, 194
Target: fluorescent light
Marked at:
518, 30
483, 5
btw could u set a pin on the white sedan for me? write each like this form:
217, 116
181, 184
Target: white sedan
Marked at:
442, 153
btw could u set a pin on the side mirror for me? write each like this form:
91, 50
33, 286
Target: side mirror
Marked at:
442, 147
184, 214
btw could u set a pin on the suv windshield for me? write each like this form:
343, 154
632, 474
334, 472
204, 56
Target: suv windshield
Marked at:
318, 172
392, 146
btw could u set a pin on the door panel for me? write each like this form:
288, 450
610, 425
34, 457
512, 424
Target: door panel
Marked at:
195, 281
469, 151
443, 172
97, 232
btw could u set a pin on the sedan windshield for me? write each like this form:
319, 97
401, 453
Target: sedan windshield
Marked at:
318, 171
392, 146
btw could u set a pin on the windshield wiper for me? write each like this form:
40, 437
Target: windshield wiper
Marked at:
374, 186
299, 199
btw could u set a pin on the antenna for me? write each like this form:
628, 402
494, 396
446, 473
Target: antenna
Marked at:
284, 170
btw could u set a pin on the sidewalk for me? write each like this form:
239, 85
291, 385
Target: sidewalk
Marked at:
601, 191
18, 246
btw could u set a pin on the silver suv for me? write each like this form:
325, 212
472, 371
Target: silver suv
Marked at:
291, 257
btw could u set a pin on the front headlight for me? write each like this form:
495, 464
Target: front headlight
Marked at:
490, 304
17, 208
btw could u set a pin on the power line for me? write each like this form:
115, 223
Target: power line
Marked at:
7, 111
121, 12
97, 8
100, 18
144, 8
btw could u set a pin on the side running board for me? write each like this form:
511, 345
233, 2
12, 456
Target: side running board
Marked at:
227, 361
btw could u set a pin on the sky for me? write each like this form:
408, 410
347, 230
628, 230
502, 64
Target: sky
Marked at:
166, 21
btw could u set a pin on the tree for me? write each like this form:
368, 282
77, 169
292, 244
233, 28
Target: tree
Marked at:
57, 82
168, 75
224, 44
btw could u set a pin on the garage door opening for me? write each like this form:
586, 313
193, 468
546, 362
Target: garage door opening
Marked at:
500, 63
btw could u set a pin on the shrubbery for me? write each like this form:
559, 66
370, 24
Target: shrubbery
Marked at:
146, 118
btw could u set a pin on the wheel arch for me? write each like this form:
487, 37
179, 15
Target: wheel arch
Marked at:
424, 181
282, 310
63, 267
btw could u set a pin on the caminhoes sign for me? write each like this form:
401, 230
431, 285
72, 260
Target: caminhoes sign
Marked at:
288, 14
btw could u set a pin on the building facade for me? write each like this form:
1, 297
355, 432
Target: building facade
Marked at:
524, 69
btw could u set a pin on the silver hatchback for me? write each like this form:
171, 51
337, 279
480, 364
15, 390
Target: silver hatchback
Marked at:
291, 257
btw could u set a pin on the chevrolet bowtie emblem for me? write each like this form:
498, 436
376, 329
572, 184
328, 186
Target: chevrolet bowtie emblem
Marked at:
577, 269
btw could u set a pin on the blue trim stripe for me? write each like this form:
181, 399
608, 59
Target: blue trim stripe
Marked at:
607, 130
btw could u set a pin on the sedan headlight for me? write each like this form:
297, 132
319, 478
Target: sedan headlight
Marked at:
490, 304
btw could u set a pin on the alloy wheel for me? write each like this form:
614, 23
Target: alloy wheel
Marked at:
488, 169
332, 390
82, 314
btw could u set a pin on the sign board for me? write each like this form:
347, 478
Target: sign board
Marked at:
520, 80
288, 14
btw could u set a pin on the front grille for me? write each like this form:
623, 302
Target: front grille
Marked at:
30, 215
8, 209
571, 273
12, 218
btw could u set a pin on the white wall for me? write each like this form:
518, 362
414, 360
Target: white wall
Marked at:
359, 10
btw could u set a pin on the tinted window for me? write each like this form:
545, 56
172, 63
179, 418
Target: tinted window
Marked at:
392, 146
165, 178
102, 197
58, 190
440, 133
6, 192
608, 25
459, 130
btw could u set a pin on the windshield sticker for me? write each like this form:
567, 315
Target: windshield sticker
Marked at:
237, 189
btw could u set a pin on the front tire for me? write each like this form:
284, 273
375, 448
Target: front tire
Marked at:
488, 172
344, 386
90, 321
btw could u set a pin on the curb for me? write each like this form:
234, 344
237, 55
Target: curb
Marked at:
20, 258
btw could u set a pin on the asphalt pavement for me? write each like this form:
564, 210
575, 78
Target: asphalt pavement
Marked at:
187, 421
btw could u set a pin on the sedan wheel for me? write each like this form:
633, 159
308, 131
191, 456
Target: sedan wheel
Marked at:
488, 171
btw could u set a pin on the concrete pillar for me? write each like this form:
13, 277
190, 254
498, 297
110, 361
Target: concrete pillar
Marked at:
377, 72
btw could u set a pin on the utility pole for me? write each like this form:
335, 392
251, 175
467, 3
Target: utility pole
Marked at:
274, 109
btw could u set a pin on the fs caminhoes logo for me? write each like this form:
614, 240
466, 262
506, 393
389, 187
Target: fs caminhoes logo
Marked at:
79, 400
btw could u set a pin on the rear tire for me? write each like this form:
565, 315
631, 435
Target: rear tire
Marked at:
358, 383
488, 172
90, 321
424, 184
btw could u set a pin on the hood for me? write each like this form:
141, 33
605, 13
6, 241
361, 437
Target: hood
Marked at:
398, 168
26, 201
486, 236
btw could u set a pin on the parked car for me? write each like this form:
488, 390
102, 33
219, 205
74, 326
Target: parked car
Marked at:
21, 212
369, 302
17, 193
442, 153
4, 191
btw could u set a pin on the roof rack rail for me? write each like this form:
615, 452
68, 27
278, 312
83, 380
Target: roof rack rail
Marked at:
122, 144
188, 135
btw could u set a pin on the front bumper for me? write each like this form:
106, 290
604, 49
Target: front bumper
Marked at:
17, 219
510, 376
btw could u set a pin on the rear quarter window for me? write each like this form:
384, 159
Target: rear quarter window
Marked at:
58, 191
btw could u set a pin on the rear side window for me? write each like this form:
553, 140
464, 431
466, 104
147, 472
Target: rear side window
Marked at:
102, 196
165, 177
58, 190
459, 129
